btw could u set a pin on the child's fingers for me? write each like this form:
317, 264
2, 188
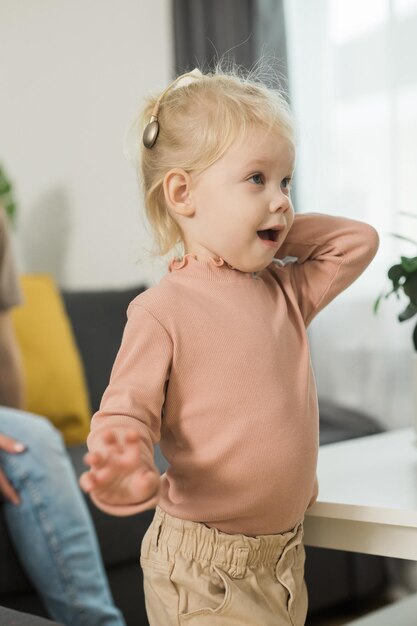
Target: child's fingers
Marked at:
110, 439
132, 437
99, 479
108, 475
98, 459
95, 459
87, 482
146, 483
120, 461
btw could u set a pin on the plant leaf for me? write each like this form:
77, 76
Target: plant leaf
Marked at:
409, 312
4, 187
409, 264
7, 197
11, 212
377, 302
395, 273
410, 288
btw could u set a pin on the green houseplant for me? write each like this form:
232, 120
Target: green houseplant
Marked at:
6, 196
403, 276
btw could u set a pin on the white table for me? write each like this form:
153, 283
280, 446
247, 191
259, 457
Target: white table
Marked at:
368, 500
367, 496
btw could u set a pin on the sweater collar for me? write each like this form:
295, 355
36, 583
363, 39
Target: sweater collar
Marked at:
214, 268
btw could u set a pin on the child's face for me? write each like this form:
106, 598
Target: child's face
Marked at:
245, 191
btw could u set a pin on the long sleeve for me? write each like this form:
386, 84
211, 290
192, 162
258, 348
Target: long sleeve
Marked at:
135, 395
332, 252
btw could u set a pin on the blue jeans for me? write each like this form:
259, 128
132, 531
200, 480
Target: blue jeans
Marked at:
51, 528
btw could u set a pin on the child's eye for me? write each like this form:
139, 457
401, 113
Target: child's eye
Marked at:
258, 178
286, 183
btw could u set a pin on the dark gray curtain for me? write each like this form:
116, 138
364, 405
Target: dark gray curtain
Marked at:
240, 30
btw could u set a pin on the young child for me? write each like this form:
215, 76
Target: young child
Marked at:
214, 363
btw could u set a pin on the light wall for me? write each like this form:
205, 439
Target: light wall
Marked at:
354, 87
73, 75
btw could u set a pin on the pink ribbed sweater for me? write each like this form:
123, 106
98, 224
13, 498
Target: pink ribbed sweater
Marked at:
215, 364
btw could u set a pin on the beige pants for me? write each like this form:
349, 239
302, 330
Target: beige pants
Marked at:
197, 576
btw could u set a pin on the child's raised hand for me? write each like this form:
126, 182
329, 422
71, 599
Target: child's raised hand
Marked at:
118, 474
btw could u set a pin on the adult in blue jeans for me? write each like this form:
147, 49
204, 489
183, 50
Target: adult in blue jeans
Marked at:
45, 511
49, 523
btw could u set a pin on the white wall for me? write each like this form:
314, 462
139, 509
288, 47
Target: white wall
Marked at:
73, 75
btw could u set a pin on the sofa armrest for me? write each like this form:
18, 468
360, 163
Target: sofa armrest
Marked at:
338, 423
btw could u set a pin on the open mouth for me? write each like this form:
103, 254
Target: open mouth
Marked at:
269, 234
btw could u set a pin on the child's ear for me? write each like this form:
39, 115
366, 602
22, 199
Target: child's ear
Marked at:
177, 191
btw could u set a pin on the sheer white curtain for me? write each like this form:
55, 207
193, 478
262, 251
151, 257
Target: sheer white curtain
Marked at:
353, 82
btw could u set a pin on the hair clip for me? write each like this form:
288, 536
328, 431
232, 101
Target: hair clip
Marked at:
152, 127
151, 132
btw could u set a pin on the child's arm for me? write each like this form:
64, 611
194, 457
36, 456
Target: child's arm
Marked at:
123, 478
332, 252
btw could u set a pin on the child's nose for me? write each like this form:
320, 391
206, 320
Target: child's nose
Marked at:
280, 202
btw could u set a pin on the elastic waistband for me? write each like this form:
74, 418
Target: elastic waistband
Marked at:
235, 552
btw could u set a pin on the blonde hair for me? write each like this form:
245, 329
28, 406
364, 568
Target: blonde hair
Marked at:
198, 121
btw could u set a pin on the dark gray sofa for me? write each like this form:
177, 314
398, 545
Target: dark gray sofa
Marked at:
332, 577
17, 618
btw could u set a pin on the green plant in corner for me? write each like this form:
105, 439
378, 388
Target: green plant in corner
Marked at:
403, 276
6, 196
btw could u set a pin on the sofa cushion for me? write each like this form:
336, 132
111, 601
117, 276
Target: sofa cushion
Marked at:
54, 378
98, 319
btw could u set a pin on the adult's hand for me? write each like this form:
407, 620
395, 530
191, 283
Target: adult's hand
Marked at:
10, 446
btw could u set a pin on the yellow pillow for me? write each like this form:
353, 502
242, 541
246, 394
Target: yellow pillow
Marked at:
54, 376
